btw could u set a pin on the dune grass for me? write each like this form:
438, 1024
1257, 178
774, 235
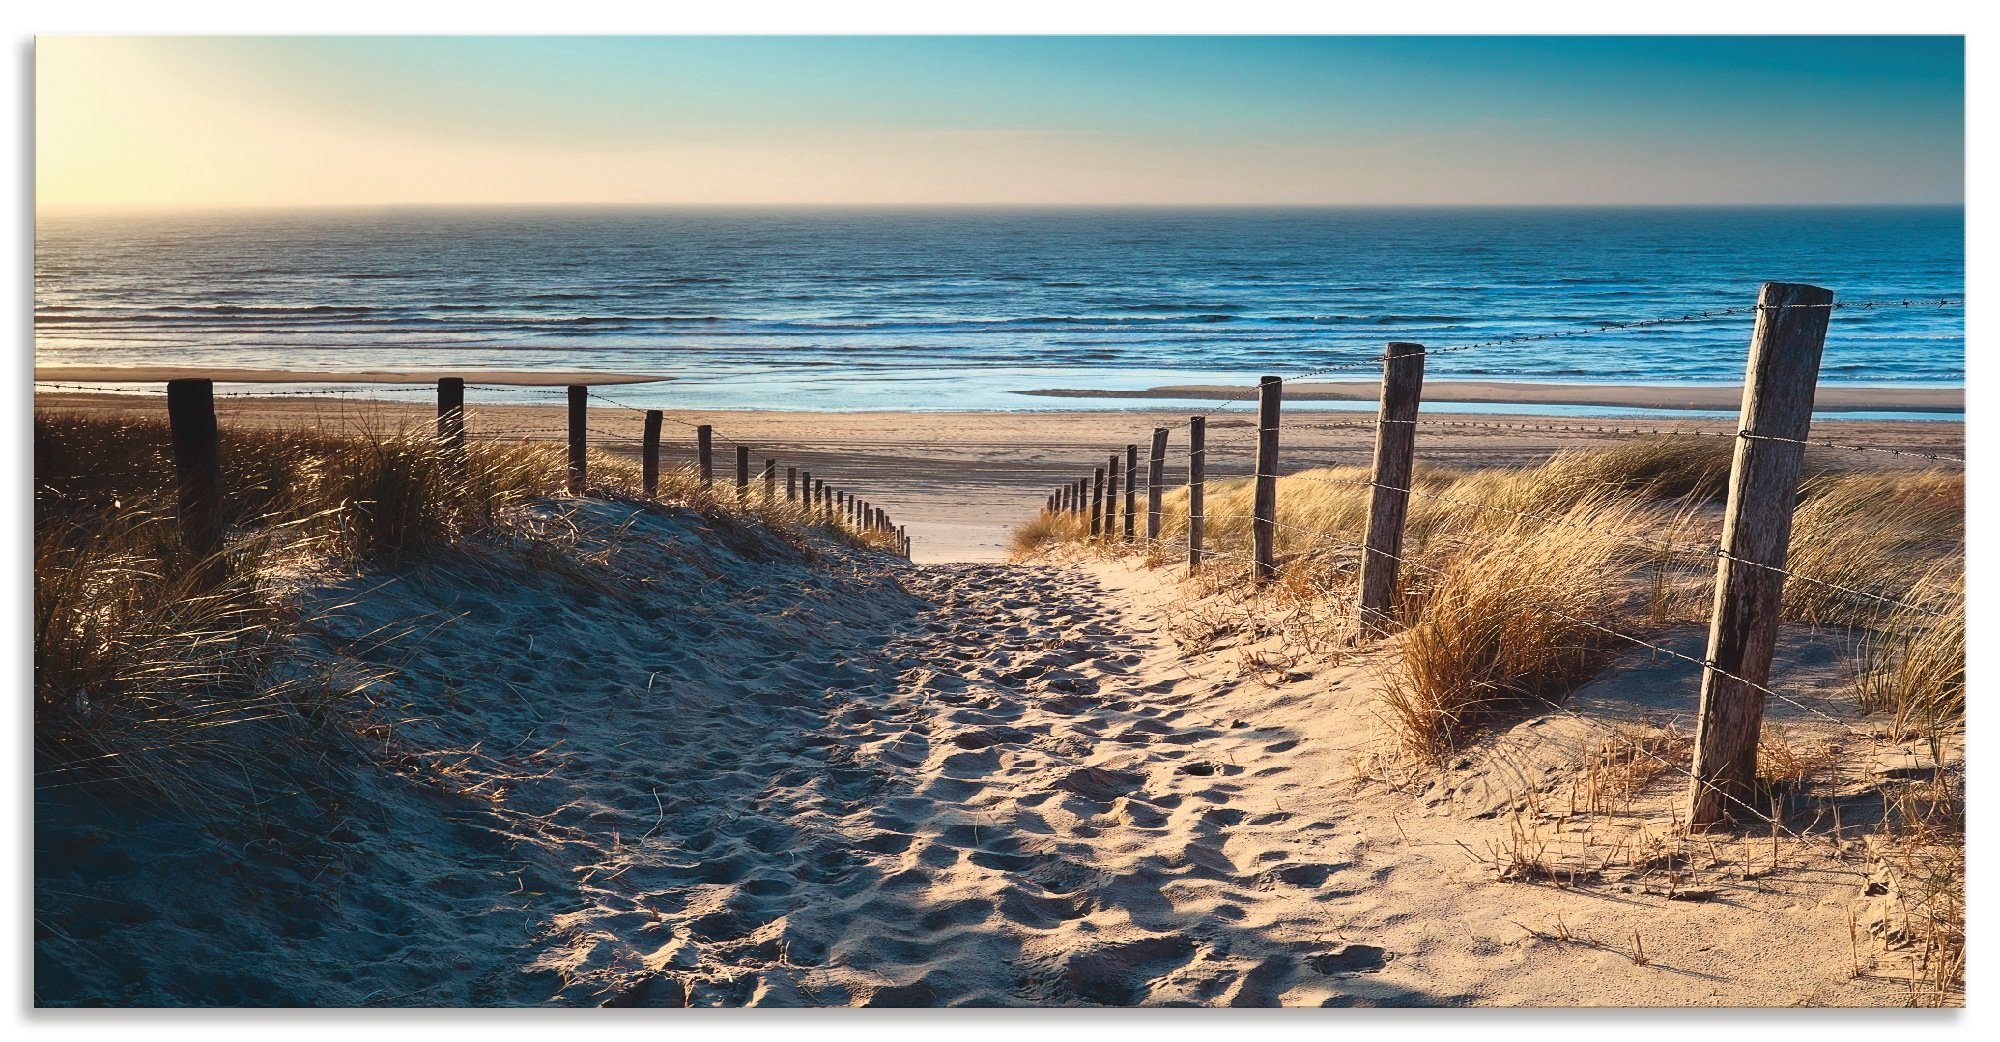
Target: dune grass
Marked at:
142, 654
1509, 571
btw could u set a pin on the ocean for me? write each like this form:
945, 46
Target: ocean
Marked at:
966, 309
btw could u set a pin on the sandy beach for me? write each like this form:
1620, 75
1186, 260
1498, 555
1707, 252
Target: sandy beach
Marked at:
960, 482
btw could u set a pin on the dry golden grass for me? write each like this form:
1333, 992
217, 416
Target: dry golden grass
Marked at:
1911, 661
1049, 529
1875, 533
141, 654
1509, 569
1518, 611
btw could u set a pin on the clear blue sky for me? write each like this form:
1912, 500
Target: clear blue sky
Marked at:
1099, 120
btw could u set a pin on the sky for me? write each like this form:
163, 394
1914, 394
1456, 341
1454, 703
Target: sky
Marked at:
1106, 121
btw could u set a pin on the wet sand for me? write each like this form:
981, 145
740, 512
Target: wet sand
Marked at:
962, 481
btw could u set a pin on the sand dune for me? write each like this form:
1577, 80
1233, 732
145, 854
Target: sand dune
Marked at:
682, 764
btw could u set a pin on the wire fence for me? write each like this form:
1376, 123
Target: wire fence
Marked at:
1763, 490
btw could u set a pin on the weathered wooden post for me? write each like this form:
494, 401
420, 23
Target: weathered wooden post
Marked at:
649, 454
197, 469
704, 454
1082, 494
451, 423
1389, 502
1156, 472
1097, 503
1111, 500
742, 475
1197, 466
1131, 488
579, 430
791, 484
1785, 347
770, 481
819, 497
1264, 511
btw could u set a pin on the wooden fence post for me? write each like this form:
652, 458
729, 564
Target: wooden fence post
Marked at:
1197, 469
791, 484
742, 474
770, 481
704, 454
197, 468
649, 454
1785, 348
1097, 524
818, 497
1264, 522
1389, 502
1156, 472
579, 430
1111, 501
1131, 488
451, 422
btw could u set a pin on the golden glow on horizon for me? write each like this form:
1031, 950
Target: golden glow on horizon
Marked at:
188, 122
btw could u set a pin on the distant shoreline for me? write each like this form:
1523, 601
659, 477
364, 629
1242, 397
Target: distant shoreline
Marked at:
162, 373
1713, 398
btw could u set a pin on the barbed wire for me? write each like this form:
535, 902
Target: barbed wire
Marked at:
1823, 444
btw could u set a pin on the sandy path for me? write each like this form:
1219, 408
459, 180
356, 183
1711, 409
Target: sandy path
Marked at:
1031, 797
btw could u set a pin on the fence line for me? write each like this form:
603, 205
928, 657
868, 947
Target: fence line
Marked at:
1786, 344
196, 451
